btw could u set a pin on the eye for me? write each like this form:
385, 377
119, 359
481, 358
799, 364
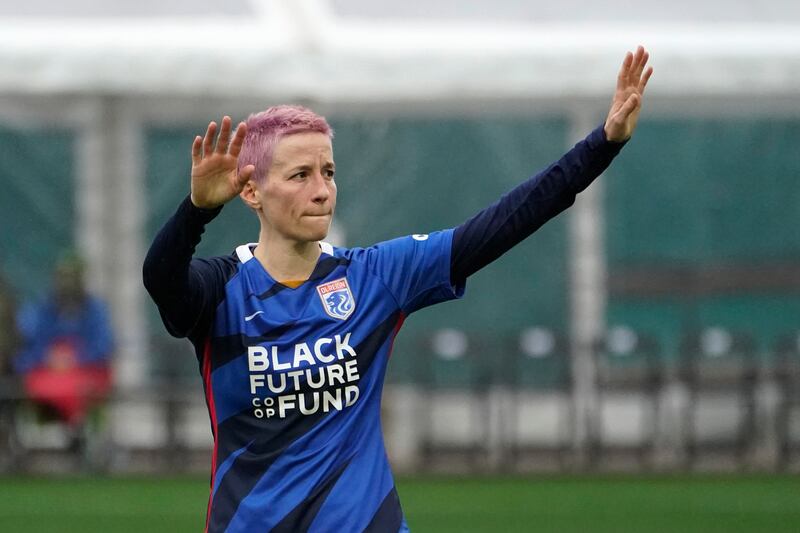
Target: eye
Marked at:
299, 175
330, 173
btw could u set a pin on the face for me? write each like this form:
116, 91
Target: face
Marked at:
298, 197
68, 284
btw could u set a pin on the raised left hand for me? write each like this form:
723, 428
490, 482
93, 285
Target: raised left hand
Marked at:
627, 101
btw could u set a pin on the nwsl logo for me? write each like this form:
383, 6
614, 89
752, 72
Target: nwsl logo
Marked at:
337, 300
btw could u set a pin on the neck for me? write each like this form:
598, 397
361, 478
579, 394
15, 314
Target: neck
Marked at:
287, 260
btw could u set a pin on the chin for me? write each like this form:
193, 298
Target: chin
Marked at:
316, 234
309, 231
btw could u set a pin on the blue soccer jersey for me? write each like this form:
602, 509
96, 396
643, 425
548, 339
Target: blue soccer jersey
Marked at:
293, 380
293, 376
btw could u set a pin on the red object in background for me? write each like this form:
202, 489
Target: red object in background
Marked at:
67, 387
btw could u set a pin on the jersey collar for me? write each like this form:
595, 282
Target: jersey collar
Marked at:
245, 251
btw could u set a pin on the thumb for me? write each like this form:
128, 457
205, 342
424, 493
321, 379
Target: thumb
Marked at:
245, 175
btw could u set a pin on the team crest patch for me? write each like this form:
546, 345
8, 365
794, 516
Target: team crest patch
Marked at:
337, 300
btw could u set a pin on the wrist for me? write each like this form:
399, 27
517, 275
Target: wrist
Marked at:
202, 205
204, 213
613, 137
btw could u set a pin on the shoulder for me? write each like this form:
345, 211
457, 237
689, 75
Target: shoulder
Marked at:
95, 304
403, 255
220, 268
398, 245
35, 315
32, 309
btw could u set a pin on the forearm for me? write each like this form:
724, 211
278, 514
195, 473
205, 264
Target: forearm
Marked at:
168, 274
495, 230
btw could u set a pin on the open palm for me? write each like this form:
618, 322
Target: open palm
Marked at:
627, 101
215, 176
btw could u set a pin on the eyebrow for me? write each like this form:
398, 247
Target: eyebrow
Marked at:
299, 167
306, 166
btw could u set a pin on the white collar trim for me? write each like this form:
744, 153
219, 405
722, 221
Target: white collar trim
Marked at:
244, 253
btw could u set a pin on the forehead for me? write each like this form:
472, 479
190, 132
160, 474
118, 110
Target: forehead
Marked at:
299, 147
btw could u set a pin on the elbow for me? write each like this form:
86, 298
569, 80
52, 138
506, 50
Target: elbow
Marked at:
151, 274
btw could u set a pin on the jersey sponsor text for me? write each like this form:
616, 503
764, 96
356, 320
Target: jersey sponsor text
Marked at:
312, 377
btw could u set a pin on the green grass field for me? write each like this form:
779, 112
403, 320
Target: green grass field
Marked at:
562, 504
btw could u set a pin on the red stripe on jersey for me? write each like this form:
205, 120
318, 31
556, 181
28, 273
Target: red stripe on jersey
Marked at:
212, 411
397, 327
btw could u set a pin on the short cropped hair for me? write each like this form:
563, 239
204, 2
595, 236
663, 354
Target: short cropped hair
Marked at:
266, 128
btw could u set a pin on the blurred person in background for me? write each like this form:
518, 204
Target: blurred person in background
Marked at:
65, 358
293, 335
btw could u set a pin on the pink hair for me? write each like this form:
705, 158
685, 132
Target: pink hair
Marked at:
266, 128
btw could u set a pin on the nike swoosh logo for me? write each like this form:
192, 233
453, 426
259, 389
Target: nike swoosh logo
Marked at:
251, 317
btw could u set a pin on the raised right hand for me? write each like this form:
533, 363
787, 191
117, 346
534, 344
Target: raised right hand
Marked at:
215, 179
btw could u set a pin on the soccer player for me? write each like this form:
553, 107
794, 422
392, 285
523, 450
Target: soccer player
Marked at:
293, 335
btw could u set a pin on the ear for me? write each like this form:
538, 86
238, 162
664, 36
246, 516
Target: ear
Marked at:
251, 196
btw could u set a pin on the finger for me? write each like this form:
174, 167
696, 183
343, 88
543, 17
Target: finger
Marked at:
224, 135
238, 139
246, 174
208, 140
627, 108
197, 147
640, 66
645, 79
637, 64
622, 78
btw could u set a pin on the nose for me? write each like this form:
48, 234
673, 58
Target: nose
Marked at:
322, 191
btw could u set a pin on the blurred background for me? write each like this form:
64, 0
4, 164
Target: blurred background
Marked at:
653, 328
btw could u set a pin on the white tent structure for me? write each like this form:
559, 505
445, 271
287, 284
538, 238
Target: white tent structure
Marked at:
377, 52
109, 68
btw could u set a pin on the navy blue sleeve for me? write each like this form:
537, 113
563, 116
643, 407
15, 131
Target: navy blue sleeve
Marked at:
186, 291
498, 228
